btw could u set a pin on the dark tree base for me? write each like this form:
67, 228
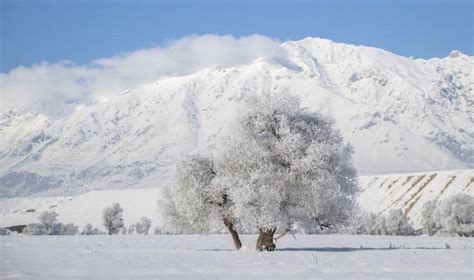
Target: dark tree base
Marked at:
265, 240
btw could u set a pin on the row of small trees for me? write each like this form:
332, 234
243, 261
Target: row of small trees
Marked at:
453, 216
48, 225
395, 222
112, 220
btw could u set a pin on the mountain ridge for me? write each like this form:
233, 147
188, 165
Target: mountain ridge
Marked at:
400, 114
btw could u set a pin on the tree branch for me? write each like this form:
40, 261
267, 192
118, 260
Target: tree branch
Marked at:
283, 234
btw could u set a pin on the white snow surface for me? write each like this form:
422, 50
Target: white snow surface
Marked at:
408, 191
400, 114
212, 257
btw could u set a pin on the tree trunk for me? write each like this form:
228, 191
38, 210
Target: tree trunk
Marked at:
233, 232
265, 240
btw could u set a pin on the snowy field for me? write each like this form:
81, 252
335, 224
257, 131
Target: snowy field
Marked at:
212, 257
407, 191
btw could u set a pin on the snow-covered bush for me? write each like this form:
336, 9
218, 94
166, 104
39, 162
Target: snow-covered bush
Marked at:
377, 224
4, 231
398, 223
112, 218
358, 223
159, 230
64, 229
282, 167
394, 223
123, 230
48, 226
454, 215
143, 227
35, 229
363, 222
366, 223
90, 230
56, 229
131, 229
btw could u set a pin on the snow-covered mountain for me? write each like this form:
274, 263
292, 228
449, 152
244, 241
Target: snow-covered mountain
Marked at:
400, 114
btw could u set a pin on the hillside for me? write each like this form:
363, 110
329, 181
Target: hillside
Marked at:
409, 191
400, 114
378, 194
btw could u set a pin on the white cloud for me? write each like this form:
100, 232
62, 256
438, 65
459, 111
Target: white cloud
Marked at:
56, 88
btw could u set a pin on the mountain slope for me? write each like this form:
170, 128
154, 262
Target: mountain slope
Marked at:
400, 114
410, 191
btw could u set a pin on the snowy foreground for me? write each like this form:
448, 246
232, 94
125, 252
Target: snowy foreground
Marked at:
212, 257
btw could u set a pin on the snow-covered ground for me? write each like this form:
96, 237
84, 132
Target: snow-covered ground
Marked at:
212, 257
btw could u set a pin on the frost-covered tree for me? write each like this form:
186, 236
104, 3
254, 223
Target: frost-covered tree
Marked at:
112, 218
429, 225
282, 167
398, 223
285, 167
47, 219
143, 227
454, 215
90, 230
195, 202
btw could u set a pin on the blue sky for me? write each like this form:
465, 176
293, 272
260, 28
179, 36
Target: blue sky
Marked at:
80, 31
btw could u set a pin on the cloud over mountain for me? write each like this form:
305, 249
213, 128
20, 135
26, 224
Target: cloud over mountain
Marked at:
58, 88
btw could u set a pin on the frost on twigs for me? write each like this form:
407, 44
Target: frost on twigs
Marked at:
286, 167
